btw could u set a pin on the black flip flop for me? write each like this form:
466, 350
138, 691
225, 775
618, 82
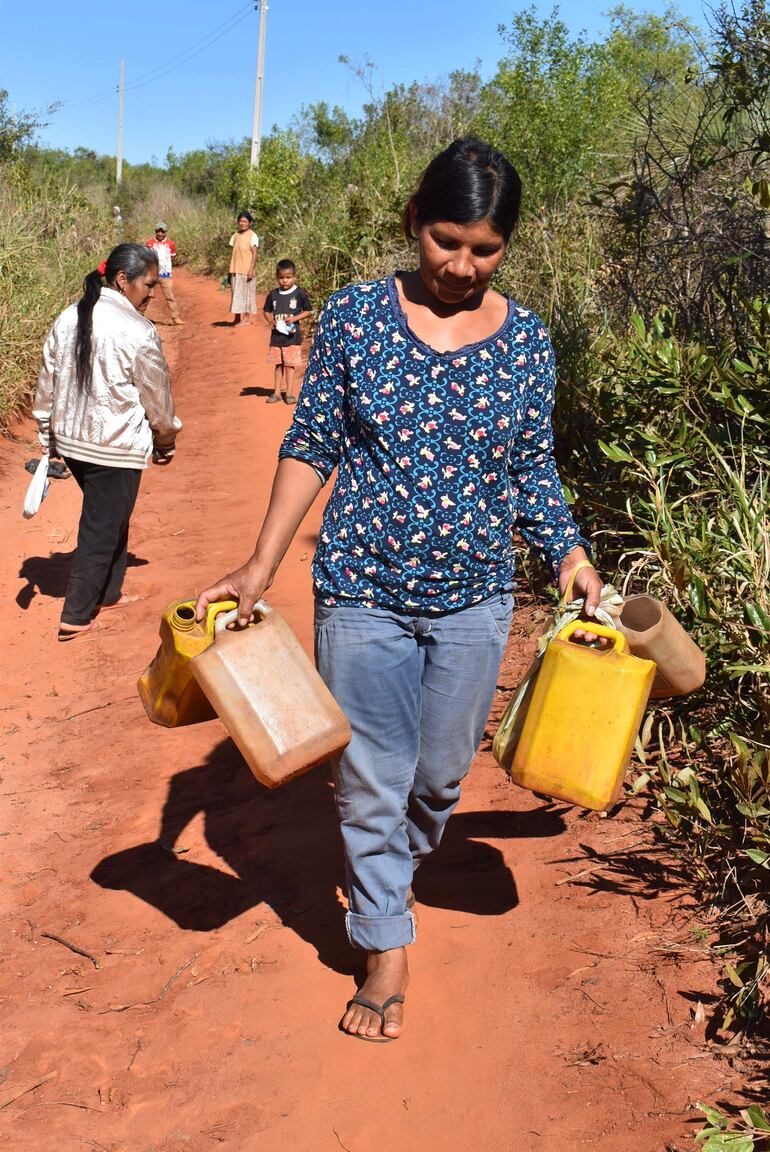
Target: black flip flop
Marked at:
57, 469
66, 634
380, 1009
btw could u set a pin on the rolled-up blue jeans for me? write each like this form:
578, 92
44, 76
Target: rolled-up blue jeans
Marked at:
417, 691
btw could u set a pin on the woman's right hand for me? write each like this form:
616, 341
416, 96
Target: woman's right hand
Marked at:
295, 487
246, 585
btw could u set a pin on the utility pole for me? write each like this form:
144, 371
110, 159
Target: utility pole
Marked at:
256, 134
119, 169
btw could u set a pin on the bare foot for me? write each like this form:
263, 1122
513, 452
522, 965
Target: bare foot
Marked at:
387, 975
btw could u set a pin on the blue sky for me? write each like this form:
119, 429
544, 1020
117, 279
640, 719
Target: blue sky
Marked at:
71, 53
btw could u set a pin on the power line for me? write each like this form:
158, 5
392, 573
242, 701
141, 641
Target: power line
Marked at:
168, 66
189, 54
87, 103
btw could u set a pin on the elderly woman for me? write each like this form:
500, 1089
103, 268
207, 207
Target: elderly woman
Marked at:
104, 405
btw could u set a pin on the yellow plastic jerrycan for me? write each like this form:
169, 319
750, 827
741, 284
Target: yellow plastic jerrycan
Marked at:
169, 691
270, 698
583, 718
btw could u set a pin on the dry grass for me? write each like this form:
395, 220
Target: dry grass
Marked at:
50, 236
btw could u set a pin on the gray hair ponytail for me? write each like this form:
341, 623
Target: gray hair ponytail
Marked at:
132, 259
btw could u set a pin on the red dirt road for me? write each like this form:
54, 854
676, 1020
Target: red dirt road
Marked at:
554, 980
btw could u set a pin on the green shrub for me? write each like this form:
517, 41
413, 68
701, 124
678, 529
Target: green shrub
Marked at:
687, 483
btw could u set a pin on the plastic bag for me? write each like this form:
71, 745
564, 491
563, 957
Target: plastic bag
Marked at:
37, 490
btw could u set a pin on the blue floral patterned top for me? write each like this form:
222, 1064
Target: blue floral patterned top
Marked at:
440, 456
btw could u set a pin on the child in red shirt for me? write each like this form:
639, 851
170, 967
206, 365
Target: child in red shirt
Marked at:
165, 249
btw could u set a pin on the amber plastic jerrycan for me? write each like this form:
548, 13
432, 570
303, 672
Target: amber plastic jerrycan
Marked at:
169, 691
270, 698
583, 718
654, 634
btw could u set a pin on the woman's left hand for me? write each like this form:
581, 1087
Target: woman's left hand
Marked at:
163, 456
587, 583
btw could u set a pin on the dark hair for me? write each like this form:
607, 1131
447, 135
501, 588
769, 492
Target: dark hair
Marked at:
133, 260
286, 266
467, 182
246, 216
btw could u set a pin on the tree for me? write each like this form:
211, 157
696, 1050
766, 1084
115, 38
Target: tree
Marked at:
17, 129
331, 131
687, 222
558, 106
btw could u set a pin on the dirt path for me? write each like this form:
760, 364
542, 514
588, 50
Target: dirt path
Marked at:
554, 982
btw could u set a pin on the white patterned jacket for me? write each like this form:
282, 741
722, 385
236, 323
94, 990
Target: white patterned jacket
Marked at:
128, 411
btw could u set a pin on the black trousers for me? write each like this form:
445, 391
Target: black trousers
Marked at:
99, 567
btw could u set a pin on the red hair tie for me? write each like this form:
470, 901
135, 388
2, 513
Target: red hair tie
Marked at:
102, 268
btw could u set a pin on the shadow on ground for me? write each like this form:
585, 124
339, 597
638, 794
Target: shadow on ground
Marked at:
255, 390
645, 870
234, 324
284, 850
48, 575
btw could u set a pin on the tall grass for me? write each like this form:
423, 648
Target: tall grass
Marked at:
199, 229
53, 232
50, 237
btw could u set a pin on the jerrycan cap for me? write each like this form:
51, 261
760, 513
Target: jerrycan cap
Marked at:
619, 642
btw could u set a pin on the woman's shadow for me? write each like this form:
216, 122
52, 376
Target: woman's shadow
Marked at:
48, 575
281, 844
282, 848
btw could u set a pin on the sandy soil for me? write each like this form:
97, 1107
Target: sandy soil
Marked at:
555, 980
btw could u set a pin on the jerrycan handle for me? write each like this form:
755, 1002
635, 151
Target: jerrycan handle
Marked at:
261, 609
568, 591
619, 642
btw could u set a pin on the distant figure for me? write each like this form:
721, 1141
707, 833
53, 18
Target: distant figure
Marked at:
165, 250
284, 307
243, 261
117, 219
104, 405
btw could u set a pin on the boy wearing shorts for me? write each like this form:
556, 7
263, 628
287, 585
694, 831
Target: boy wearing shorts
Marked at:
284, 307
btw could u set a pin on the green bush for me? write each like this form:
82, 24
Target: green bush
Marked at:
687, 482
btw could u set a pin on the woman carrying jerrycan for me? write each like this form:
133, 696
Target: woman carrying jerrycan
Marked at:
431, 394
